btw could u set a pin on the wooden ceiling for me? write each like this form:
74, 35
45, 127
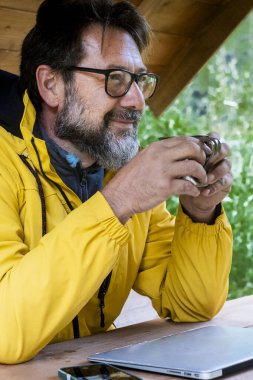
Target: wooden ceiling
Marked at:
185, 35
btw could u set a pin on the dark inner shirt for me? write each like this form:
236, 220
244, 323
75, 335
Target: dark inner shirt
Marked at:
84, 182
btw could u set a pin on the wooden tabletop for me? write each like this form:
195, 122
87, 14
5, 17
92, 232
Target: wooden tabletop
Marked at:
44, 366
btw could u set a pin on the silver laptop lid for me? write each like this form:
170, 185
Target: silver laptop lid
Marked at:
203, 353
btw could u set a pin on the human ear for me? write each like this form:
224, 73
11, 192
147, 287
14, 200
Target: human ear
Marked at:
50, 85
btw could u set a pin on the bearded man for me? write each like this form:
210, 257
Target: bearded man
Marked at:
83, 218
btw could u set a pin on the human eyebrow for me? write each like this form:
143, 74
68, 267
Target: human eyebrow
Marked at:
121, 67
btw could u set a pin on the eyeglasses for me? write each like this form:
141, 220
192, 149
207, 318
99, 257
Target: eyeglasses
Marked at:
119, 81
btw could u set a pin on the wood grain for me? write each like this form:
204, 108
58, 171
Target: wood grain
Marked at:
44, 366
14, 25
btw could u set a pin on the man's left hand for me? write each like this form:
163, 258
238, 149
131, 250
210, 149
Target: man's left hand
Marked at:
202, 208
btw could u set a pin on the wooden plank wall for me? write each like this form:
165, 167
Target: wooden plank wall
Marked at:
185, 35
16, 18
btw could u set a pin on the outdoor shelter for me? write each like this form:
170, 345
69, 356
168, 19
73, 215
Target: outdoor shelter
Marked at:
185, 35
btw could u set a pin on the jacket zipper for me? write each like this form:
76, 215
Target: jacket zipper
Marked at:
101, 296
75, 322
83, 184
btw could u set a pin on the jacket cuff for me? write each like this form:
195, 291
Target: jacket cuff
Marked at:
220, 222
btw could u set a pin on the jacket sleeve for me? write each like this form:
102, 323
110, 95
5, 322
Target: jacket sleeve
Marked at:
186, 265
44, 288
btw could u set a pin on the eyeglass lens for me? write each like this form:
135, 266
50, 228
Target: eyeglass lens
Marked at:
119, 83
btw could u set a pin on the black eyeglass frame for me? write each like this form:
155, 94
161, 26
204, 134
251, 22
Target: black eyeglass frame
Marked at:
107, 72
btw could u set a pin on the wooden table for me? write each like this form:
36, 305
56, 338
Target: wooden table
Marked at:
44, 366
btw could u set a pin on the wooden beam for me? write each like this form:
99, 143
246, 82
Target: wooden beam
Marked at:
164, 47
181, 17
180, 71
146, 7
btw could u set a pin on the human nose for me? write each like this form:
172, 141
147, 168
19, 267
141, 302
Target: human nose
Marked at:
134, 98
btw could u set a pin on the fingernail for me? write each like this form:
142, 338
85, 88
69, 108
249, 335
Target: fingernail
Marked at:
209, 191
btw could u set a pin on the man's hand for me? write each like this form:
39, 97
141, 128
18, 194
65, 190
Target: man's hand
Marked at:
155, 174
219, 179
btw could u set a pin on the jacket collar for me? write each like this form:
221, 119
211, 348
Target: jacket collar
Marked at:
18, 116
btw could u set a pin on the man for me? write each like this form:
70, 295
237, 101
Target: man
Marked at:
75, 236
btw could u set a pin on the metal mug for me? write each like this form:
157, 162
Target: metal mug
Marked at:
215, 146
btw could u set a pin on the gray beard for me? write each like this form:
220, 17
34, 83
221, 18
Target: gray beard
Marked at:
108, 149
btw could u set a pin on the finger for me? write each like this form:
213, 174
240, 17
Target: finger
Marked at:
219, 171
224, 151
217, 157
188, 168
183, 187
185, 147
222, 185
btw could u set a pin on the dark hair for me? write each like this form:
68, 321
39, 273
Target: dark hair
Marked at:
55, 40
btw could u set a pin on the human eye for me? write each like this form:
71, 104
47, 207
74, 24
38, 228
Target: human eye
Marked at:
116, 77
118, 82
143, 80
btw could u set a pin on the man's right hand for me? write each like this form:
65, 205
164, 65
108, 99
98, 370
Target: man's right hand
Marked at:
155, 174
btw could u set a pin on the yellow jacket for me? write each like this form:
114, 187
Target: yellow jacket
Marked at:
46, 281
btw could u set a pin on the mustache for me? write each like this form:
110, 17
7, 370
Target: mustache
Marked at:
124, 114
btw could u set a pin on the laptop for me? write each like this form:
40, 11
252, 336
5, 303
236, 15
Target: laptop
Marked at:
202, 353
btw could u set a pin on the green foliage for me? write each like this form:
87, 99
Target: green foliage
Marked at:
220, 99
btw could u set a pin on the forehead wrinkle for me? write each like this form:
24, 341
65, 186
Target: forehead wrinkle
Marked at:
96, 33
98, 42
89, 45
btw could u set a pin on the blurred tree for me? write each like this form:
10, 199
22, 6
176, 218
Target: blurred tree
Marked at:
220, 99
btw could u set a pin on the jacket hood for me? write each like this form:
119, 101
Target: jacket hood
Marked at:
11, 103
18, 116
